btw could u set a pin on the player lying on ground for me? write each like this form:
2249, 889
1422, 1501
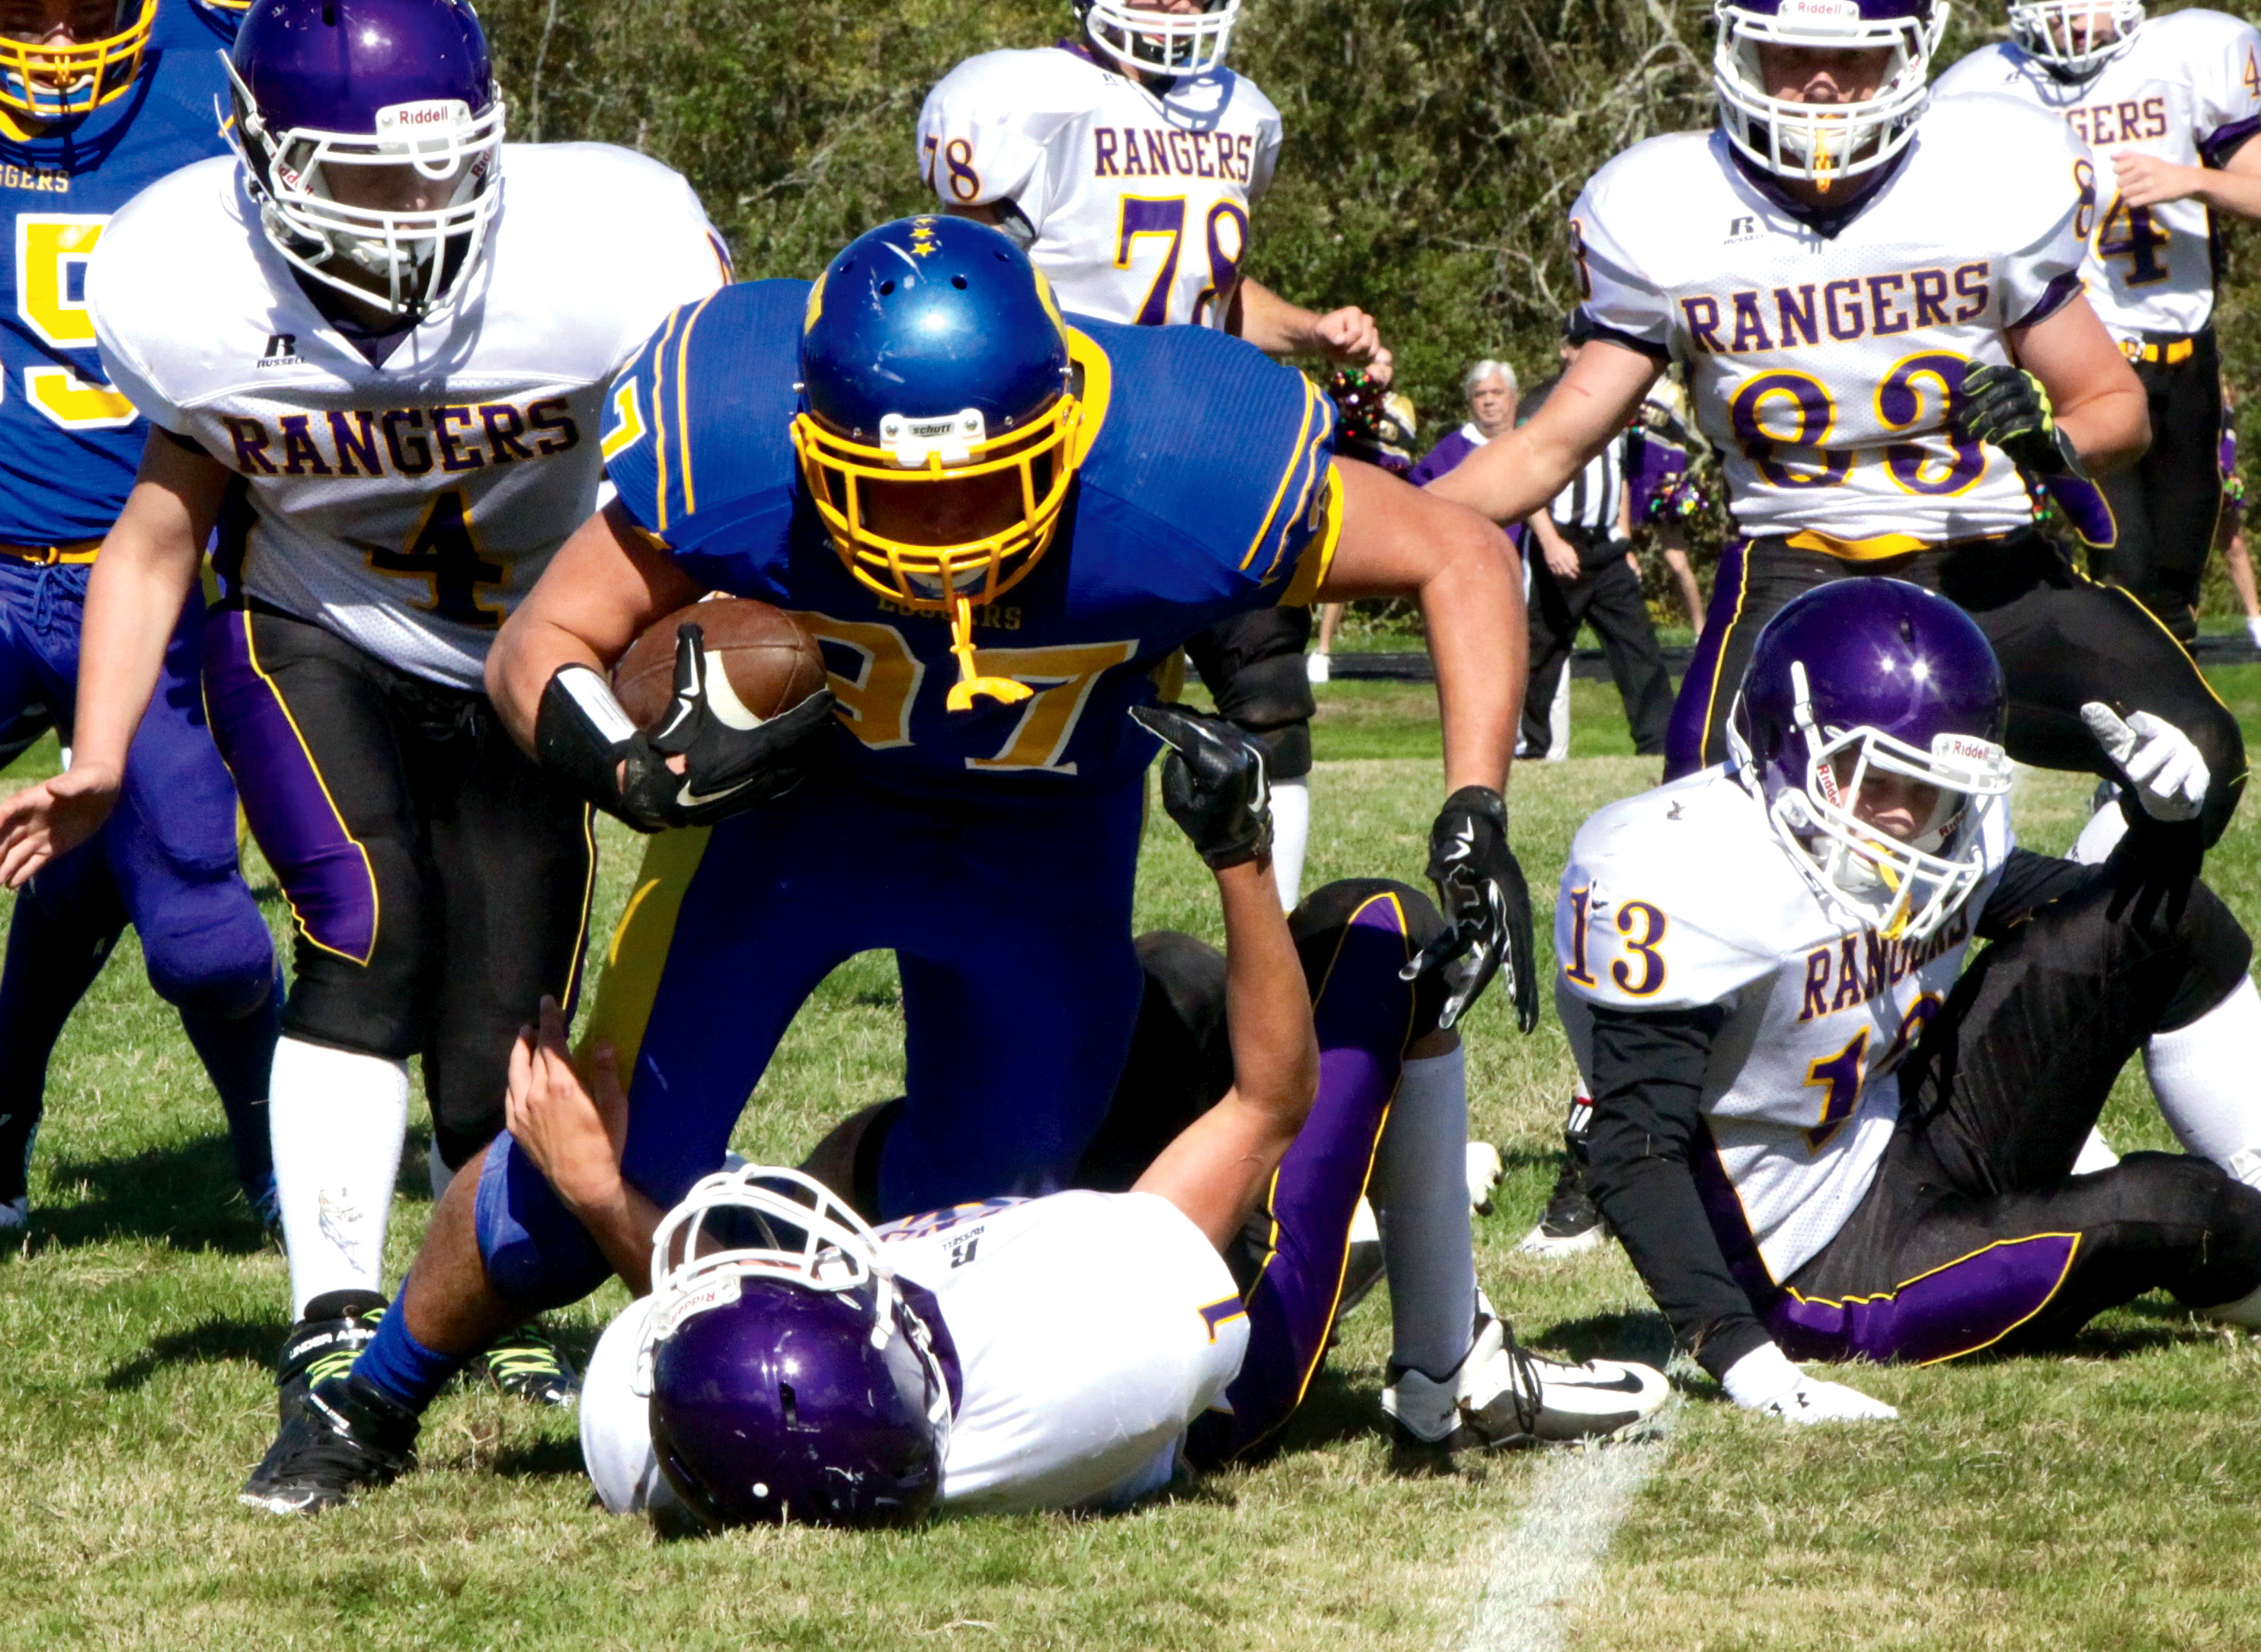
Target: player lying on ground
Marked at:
1885, 341
388, 382
1817, 1133
1049, 1352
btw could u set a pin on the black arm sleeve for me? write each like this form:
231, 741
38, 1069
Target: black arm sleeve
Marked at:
1648, 1082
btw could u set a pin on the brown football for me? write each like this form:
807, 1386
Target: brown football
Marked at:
771, 661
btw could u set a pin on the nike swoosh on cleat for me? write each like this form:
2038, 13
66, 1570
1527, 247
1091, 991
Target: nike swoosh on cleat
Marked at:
1627, 1384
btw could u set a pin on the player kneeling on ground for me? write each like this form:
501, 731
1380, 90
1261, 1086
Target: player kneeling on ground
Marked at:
1818, 1135
1048, 1352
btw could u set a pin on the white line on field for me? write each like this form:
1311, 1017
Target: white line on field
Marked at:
1544, 1563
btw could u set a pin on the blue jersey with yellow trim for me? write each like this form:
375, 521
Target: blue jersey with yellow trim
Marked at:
1205, 491
68, 443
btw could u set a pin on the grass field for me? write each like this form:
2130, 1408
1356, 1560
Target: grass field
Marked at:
2100, 1499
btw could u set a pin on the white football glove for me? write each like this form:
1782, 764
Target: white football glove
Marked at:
1765, 1380
2170, 777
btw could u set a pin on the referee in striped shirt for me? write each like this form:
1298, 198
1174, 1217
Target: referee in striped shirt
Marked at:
1584, 573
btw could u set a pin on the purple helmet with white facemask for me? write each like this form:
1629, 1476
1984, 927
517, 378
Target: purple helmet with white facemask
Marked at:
1851, 687
371, 133
791, 1378
1822, 143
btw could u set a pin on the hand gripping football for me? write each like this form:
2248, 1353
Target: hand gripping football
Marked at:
768, 659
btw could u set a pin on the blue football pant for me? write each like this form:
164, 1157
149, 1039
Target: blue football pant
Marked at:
1010, 922
165, 861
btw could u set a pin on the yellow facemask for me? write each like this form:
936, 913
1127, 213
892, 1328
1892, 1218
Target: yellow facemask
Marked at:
947, 579
44, 83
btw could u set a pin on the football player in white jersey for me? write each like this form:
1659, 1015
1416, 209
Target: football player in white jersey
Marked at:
1085, 1342
1886, 342
383, 386
1818, 1135
1128, 161
2167, 105
1043, 1353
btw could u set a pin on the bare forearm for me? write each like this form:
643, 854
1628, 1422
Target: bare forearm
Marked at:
1473, 611
2235, 190
1268, 1005
621, 1222
1272, 324
2109, 430
141, 580
519, 665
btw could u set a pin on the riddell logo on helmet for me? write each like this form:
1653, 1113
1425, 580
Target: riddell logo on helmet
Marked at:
434, 113
718, 1293
1819, 11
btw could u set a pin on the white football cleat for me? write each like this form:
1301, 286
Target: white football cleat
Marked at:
1502, 1394
1484, 1171
1572, 1223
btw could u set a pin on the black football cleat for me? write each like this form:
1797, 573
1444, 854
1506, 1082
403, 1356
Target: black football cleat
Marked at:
342, 1436
527, 1365
337, 1326
1571, 1223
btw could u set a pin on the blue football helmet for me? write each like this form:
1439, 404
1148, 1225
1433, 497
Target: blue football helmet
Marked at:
932, 355
790, 1378
44, 83
1865, 678
1822, 143
395, 100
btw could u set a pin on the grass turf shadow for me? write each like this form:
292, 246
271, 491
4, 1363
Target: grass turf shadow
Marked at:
184, 1194
214, 1341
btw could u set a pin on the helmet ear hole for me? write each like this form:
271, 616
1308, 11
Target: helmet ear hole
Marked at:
887, 289
958, 282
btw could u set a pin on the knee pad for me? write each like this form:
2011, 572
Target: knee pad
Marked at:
2219, 954
2219, 740
1316, 924
1263, 695
1286, 751
224, 969
534, 1250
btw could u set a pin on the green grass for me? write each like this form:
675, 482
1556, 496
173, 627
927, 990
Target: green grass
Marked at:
2101, 1499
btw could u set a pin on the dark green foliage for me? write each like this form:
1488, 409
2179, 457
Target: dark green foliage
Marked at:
1434, 147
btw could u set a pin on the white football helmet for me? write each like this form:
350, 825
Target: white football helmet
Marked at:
1822, 143
1161, 42
2045, 29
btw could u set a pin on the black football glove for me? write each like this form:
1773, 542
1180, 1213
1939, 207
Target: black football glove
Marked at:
581, 733
2008, 407
1212, 785
1487, 905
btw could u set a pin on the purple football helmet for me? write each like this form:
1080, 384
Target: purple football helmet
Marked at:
1824, 142
1877, 683
371, 135
790, 1378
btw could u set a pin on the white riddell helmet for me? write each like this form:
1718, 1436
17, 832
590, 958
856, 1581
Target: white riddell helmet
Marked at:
1171, 43
2046, 28
1822, 143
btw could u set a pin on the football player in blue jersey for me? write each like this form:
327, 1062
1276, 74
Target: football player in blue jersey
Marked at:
98, 100
1003, 526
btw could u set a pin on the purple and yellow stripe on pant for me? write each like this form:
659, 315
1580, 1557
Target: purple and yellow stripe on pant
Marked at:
1365, 1018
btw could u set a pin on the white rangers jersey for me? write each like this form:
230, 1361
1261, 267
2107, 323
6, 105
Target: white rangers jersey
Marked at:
1139, 199
1819, 364
2187, 90
1090, 1329
408, 506
1683, 898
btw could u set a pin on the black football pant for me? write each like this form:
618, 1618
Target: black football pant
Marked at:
2063, 640
1609, 598
2167, 503
1976, 1233
438, 879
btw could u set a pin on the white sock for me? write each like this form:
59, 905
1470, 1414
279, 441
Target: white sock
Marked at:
437, 1168
1291, 831
1558, 718
337, 1119
2099, 837
1420, 1194
2208, 1079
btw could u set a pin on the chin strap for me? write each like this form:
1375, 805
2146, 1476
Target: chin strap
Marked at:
970, 684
